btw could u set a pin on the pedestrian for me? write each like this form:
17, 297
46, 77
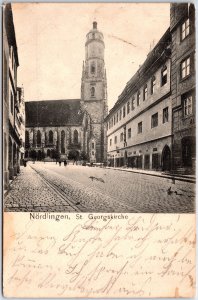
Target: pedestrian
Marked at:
65, 163
59, 162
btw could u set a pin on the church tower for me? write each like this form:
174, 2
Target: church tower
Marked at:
94, 92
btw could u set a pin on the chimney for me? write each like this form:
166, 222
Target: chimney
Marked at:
94, 25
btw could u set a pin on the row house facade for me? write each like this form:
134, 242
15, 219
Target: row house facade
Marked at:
139, 125
182, 26
152, 125
13, 101
55, 129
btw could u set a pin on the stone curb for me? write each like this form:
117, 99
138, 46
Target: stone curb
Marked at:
191, 180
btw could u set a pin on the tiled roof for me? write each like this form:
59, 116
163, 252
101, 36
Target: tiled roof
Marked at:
53, 113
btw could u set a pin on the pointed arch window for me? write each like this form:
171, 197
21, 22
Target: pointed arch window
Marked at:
75, 136
93, 68
62, 141
38, 138
51, 137
92, 91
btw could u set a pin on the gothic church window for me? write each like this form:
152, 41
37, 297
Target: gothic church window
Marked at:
62, 141
50, 137
75, 136
38, 139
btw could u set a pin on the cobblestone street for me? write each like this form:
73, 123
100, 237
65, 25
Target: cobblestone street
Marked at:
53, 188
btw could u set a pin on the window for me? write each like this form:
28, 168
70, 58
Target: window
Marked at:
129, 133
38, 141
187, 106
117, 117
185, 68
120, 114
92, 91
113, 120
140, 127
62, 141
145, 94
128, 107
75, 136
138, 98
164, 76
110, 142
124, 111
133, 103
165, 115
154, 120
153, 83
121, 136
92, 68
115, 139
185, 29
50, 137
92, 145
11, 103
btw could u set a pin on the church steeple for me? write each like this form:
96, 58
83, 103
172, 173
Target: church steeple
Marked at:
94, 86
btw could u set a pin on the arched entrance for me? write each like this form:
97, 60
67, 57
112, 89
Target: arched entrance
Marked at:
166, 159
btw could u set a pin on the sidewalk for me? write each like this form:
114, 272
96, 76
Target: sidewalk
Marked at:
185, 178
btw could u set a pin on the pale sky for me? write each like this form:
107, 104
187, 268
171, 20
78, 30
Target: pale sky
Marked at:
51, 44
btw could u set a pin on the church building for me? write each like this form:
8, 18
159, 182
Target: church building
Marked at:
73, 128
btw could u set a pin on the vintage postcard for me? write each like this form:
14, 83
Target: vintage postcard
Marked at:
99, 151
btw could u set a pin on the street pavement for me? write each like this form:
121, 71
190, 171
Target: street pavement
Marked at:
52, 188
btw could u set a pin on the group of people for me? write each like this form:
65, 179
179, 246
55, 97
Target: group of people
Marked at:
65, 163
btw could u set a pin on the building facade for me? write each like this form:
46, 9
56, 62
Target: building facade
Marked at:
13, 105
152, 125
182, 26
139, 129
56, 129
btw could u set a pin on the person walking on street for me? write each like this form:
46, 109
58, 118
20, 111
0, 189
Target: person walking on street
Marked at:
59, 162
65, 163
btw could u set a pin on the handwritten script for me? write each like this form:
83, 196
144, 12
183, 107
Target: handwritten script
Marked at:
143, 256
